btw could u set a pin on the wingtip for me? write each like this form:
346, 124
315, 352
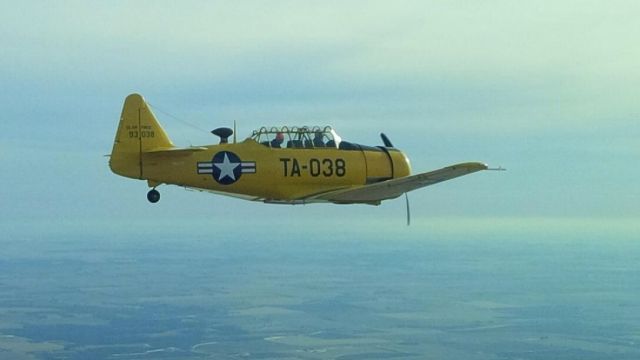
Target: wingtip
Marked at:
472, 165
483, 166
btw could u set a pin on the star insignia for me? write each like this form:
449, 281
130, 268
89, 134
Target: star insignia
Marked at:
226, 167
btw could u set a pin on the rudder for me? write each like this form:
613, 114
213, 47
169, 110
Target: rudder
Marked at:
138, 132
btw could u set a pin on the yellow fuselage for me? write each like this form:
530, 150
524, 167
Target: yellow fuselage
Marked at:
257, 171
271, 174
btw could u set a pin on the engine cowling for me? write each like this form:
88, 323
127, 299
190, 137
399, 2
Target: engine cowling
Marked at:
385, 163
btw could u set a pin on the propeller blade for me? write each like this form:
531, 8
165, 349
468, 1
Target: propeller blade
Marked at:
386, 140
406, 197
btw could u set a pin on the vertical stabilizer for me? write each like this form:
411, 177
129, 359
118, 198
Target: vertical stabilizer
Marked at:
138, 132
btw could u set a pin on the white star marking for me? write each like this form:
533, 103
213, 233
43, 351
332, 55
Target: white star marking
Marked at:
226, 168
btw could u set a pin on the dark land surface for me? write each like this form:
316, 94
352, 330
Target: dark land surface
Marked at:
349, 298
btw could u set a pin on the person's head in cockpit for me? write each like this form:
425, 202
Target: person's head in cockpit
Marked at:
278, 140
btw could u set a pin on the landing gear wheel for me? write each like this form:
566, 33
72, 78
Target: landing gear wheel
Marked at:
153, 196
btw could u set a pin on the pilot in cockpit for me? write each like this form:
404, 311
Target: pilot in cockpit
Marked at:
277, 142
317, 140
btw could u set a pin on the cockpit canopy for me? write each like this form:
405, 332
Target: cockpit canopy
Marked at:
308, 137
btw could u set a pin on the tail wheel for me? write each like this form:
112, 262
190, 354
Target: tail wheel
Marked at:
153, 196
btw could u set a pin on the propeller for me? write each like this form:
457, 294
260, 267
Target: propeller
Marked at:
388, 143
406, 197
386, 140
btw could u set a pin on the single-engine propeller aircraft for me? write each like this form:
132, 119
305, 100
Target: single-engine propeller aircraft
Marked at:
286, 165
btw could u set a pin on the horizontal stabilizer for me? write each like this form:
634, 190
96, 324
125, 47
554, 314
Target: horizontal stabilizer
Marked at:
175, 150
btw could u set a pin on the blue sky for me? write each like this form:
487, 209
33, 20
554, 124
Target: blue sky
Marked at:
548, 90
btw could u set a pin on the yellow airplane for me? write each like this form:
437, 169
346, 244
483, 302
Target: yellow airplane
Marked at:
296, 165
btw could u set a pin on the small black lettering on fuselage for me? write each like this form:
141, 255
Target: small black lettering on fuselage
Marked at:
315, 167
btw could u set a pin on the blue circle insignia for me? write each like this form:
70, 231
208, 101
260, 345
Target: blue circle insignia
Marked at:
226, 167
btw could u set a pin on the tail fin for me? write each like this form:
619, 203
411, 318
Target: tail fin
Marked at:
138, 132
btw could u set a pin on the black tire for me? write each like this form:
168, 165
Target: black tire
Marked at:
153, 196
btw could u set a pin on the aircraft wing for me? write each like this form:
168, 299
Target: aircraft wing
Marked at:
374, 193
